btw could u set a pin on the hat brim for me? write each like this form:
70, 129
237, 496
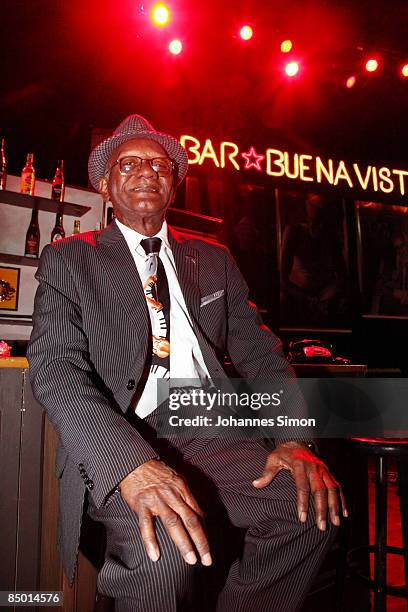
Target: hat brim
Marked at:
101, 154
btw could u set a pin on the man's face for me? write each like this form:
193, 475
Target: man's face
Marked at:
141, 193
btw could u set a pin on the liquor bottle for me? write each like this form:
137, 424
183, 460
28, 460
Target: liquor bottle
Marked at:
58, 232
58, 183
3, 169
77, 226
28, 176
32, 241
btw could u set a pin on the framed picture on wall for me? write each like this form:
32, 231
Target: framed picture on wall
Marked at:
9, 288
382, 252
313, 261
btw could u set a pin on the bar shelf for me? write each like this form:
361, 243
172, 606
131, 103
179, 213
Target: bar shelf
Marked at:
18, 260
26, 201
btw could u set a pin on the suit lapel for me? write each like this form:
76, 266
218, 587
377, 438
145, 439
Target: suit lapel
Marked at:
187, 265
121, 271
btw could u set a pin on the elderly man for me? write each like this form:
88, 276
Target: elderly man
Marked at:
118, 309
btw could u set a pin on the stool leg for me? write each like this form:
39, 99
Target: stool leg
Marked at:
380, 551
341, 565
403, 491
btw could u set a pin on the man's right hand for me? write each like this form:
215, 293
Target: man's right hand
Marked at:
154, 489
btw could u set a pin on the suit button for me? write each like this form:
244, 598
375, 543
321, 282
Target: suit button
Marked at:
90, 485
131, 384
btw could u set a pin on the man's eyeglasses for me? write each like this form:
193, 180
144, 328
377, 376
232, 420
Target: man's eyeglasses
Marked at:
162, 165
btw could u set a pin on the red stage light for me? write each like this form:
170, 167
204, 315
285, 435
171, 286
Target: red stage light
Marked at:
292, 68
404, 70
160, 14
371, 65
175, 46
286, 46
246, 32
351, 81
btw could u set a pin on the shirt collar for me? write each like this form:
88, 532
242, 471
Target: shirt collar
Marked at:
133, 237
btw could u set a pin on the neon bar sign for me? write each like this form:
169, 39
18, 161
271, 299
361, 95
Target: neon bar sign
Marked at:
297, 166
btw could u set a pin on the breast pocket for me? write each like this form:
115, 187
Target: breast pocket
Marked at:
212, 297
213, 318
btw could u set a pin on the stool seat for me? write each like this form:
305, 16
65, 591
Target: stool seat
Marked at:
381, 446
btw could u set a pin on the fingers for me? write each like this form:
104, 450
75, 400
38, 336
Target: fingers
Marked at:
148, 535
302, 489
320, 498
192, 515
172, 501
268, 475
195, 530
175, 528
317, 481
333, 485
333, 498
343, 503
183, 526
327, 493
185, 529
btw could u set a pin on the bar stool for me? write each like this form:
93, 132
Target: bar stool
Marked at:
381, 450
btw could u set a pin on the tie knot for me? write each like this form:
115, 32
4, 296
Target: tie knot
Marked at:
151, 245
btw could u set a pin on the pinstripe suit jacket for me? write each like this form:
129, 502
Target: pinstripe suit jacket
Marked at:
89, 345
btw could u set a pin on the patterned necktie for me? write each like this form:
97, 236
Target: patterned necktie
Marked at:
157, 294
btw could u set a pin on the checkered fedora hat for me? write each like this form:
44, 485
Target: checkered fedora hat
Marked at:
135, 126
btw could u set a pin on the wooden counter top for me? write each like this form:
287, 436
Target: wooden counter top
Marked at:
13, 362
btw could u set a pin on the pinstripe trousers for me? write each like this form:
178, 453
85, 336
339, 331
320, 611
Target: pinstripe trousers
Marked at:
280, 555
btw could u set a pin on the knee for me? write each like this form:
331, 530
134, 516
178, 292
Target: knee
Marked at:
172, 568
330, 533
141, 580
286, 525
315, 538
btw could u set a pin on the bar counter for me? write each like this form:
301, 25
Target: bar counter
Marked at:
29, 498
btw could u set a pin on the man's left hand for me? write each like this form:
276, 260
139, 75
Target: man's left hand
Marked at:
312, 477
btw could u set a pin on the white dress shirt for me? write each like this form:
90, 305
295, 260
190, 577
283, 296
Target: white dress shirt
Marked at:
186, 360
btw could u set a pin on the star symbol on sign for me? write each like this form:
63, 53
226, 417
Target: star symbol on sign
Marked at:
252, 159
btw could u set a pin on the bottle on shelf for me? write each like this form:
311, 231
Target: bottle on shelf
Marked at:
3, 168
58, 183
110, 215
32, 241
58, 232
77, 226
28, 176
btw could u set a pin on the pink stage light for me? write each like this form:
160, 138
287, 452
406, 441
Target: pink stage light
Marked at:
160, 15
351, 81
286, 46
292, 69
175, 46
246, 32
371, 65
